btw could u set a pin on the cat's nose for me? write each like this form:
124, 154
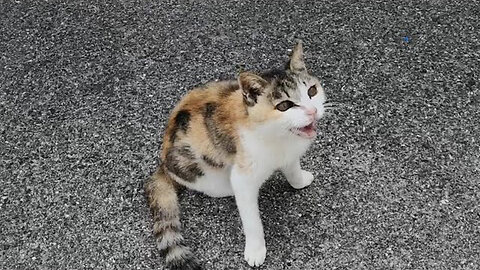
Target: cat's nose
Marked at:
311, 111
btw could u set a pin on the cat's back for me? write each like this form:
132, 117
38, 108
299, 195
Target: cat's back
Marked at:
221, 93
206, 118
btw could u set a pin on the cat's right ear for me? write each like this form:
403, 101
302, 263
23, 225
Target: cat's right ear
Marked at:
297, 63
252, 86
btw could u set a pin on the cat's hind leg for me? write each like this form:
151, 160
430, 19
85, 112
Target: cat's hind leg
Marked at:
297, 177
215, 183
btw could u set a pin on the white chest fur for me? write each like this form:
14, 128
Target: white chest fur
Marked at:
264, 152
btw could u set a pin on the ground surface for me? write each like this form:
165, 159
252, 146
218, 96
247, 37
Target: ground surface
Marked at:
85, 90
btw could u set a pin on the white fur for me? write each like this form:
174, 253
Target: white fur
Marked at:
265, 150
297, 177
215, 182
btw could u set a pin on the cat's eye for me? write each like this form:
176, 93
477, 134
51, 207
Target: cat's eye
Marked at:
312, 91
285, 105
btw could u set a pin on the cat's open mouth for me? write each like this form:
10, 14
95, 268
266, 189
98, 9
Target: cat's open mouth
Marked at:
309, 131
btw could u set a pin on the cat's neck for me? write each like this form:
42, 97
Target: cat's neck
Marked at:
274, 150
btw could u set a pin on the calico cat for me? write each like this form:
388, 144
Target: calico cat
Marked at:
225, 139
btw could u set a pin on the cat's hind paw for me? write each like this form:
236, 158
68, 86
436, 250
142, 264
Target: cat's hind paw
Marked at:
255, 256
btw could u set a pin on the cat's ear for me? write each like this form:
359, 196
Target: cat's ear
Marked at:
297, 63
252, 86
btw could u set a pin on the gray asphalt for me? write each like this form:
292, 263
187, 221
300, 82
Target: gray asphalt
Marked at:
86, 88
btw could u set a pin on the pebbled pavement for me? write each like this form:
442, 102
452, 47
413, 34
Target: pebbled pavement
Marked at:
86, 88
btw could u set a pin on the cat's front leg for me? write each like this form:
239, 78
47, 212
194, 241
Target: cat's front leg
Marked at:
246, 187
297, 177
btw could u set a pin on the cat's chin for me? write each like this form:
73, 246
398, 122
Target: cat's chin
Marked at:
308, 132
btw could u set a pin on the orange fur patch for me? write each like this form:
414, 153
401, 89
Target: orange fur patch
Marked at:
221, 103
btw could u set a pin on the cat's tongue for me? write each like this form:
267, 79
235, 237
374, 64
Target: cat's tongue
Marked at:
308, 131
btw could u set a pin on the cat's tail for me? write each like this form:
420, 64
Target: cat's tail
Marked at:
162, 198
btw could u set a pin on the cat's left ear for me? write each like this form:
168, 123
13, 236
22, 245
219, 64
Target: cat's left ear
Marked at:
252, 86
297, 63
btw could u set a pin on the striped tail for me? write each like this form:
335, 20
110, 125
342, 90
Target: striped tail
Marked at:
162, 197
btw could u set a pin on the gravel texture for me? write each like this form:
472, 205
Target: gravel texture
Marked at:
86, 88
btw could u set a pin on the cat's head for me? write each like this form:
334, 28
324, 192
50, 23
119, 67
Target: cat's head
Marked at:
287, 101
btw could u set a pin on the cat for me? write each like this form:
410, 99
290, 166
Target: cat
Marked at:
225, 139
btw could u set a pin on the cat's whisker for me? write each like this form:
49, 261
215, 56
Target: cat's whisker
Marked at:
333, 104
328, 114
331, 108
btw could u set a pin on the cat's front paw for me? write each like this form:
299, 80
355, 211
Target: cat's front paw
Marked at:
255, 254
305, 181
